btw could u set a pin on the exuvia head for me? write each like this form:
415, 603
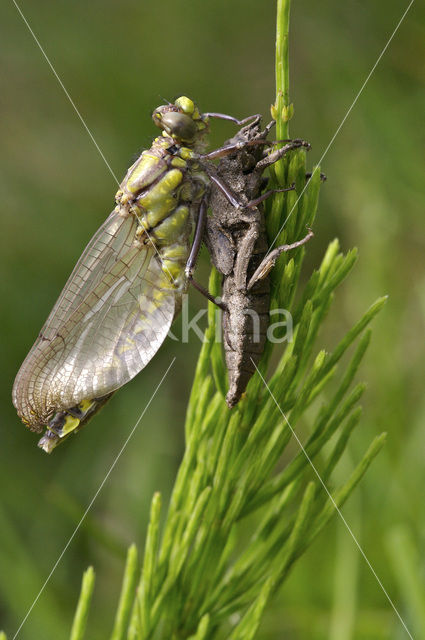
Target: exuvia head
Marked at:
182, 121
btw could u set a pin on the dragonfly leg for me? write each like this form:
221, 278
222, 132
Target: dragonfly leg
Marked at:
269, 261
254, 203
197, 238
276, 155
207, 294
226, 190
270, 192
228, 149
270, 159
194, 252
240, 123
232, 198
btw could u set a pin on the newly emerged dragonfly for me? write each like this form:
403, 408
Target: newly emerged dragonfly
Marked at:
122, 296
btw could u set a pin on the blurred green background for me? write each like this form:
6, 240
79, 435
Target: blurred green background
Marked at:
117, 59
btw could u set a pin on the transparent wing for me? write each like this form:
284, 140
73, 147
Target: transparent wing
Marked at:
110, 319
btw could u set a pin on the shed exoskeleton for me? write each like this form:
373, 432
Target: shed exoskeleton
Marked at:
237, 242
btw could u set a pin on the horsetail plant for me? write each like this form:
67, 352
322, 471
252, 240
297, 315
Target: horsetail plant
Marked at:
199, 579
209, 571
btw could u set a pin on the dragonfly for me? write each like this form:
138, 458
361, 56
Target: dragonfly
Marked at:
120, 300
237, 242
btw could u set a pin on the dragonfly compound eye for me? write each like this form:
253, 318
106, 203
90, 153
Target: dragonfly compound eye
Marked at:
179, 125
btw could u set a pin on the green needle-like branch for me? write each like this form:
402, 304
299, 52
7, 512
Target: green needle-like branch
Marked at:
81, 614
127, 596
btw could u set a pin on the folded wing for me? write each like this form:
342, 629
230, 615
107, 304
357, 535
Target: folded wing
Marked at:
110, 319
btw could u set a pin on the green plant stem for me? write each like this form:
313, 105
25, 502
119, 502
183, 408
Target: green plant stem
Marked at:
282, 66
82, 611
128, 591
407, 569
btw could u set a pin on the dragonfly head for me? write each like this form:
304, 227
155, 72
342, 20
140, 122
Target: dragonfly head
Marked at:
182, 121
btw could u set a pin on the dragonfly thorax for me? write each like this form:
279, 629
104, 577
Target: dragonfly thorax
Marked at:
162, 190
